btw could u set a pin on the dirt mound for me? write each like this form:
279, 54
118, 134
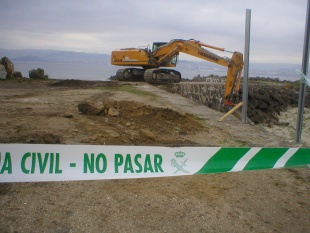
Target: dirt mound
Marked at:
158, 119
137, 123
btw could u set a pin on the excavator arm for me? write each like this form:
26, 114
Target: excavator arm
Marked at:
165, 53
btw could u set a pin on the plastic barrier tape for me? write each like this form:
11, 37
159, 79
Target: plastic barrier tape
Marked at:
38, 162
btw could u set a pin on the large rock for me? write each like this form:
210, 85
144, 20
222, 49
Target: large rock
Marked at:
37, 74
267, 102
9, 67
2, 72
104, 106
91, 108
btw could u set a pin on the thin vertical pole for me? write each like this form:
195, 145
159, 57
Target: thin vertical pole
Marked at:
246, 66
302, 88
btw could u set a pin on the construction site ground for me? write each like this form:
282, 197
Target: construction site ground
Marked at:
47, 112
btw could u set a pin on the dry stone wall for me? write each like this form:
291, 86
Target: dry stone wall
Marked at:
265, 102
208, 94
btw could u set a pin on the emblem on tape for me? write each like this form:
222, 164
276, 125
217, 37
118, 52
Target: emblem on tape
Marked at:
181, 163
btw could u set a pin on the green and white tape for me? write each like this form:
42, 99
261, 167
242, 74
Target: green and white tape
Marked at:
303, 78
38, 162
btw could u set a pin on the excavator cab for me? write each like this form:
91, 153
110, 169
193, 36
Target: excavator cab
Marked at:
156, 45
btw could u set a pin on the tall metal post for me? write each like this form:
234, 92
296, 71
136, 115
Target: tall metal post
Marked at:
304, 68
246, 66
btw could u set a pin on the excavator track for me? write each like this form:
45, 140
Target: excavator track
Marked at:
130, 74
158, 75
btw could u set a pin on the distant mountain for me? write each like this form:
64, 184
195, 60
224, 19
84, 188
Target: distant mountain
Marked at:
55, 56
29, 58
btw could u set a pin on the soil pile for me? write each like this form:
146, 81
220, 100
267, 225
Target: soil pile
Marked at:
136, 123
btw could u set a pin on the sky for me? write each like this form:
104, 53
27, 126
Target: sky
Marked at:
100, 26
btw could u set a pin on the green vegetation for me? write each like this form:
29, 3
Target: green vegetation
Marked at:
128, 88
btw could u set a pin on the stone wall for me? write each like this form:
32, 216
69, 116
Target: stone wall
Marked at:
265, 102
209, 94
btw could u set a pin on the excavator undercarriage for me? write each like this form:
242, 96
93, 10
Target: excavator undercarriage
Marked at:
155, 75
130, 74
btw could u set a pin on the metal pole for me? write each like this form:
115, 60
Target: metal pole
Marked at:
304, 68
246, 66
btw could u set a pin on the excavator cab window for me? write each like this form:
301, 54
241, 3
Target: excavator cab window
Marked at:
156, 45
174, 60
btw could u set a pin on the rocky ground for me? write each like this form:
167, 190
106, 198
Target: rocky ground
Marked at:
47, 112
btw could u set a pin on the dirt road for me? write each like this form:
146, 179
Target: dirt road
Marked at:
46, 112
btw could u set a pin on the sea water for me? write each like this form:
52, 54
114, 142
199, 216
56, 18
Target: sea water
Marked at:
81, 71
104, 71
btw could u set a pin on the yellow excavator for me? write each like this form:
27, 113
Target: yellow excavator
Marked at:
165, 54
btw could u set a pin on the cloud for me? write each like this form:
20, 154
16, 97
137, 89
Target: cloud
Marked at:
277, 27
